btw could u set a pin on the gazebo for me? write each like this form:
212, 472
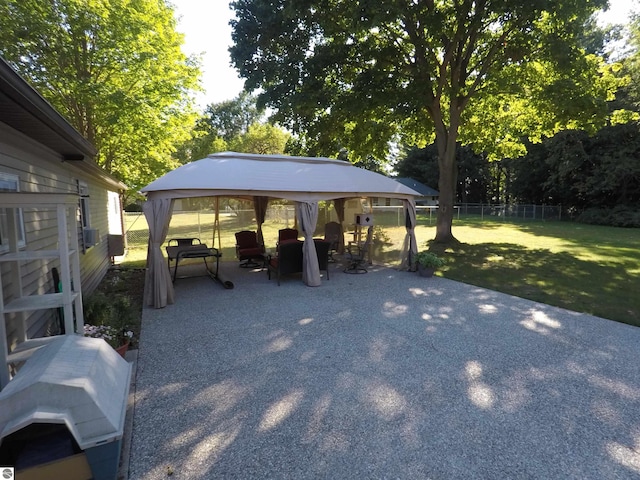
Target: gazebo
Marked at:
304, 180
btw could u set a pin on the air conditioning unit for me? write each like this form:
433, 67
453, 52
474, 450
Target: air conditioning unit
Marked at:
91, 237
364, 219
116, 245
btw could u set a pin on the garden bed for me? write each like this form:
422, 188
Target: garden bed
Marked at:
126, 282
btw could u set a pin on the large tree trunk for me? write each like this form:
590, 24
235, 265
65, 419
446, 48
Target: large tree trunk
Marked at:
446, 143
447, 187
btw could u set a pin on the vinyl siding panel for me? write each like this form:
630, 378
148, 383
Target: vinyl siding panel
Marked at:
41, 170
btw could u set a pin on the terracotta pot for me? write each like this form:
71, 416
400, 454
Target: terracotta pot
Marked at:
122, 350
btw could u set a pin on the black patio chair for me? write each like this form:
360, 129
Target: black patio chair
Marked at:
288, 260
333, 234
356, 255
322, 251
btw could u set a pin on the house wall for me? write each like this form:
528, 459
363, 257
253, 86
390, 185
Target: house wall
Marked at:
41, 170
395, 202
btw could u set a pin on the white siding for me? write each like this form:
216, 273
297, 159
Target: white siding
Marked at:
41, 170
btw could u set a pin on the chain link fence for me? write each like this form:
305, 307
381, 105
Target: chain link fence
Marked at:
513, 212
200, 222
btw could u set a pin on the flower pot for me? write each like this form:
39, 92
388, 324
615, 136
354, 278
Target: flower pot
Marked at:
122, 349
425, 271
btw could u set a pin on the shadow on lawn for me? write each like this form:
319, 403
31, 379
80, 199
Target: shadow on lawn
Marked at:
603, 289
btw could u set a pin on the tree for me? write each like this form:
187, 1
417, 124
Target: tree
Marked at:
115, 69
487, 72
474, 179
232, 118
580, 171
260, 138
232, 125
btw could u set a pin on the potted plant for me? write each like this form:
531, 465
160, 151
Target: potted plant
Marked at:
109, 319
118, 339
427, 263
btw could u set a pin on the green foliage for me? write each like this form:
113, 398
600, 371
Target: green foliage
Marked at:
233, 125
97, 310
581, 171
474, 177
629, 96
420, 164
260, 138
115, 69
358, 75
115, 311
380, 240
232, 118
618, 216
133, 207
429, 259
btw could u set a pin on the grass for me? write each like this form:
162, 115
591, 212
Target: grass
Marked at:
585, 268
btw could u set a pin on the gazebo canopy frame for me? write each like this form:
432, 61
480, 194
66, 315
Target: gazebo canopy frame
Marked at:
304, 180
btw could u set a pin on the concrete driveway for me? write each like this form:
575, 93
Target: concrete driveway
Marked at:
379, 376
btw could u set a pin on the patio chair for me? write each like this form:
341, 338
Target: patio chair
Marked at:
288, 260
322, 251
174, 245
248, 250
332, 234
179, 249
287, 235
356, 254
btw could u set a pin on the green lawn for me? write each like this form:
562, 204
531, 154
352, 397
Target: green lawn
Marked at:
585, 268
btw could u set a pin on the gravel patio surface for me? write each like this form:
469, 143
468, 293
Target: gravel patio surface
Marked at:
384, 375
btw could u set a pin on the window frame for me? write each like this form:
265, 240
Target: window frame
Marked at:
84, 205
5, 180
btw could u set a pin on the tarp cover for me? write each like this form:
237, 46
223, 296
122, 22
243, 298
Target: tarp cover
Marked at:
279, 176
79, 381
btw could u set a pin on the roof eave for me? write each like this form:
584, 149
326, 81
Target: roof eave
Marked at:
20, 96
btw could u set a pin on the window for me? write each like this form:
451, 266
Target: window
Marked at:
89, 236
10, 183
83, 191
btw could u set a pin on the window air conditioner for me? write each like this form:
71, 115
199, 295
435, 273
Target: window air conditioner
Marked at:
91, 237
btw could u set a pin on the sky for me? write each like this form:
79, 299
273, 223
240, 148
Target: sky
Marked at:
205, 24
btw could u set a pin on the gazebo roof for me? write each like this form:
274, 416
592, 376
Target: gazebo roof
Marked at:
281, 176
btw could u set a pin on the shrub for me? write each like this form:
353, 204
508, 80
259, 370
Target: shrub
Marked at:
619, 216
133, 207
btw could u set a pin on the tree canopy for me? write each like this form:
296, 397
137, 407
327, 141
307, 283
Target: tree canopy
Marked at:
115, 69
236, 125
487, 72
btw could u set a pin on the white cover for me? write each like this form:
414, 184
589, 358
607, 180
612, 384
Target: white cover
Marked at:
294, 178
79, 381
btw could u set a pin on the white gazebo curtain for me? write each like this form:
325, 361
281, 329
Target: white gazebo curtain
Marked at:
158, 286
409, 247
307, 216
159, 290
